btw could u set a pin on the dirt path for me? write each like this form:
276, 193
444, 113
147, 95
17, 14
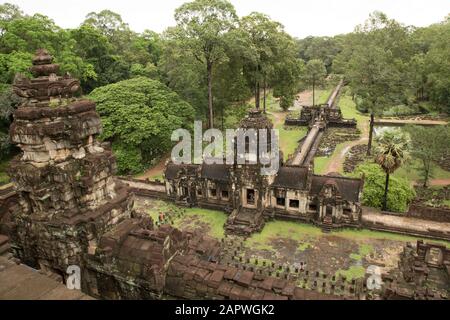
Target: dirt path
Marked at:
337, 160
303, 99
279, 118
434, 182
154, 171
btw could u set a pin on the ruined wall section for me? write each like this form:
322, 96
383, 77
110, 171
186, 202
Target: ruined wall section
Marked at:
138, 261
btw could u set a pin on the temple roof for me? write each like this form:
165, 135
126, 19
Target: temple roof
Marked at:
291, 177
348, 188
217, 172
172, 170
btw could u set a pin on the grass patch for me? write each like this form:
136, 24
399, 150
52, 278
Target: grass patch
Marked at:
272, 104
282, 229
348, 109
214, 219
321, 163
322, 95
289, 140
288, 136
354, 272
364, 250
410, 171
446, 203
191, 218
304, 246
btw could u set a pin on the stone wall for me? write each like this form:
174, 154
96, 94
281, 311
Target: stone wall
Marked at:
429, 213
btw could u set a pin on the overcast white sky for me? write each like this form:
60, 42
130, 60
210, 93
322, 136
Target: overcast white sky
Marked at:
300, 17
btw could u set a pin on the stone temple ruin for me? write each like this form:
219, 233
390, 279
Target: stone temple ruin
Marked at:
423, 274
294, 192
64, 177
328, 114
68, 209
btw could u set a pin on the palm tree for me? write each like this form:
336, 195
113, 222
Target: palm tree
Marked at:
391, 153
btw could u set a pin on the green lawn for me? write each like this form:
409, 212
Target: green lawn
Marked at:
349, 111
282, 229
301, 232
272, 104
354, 272
4, 178
321, 163
410, 171
214, 219
322, 95
289, 139
289, 136
191, 218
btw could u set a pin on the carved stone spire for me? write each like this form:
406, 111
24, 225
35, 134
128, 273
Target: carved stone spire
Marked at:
47, 85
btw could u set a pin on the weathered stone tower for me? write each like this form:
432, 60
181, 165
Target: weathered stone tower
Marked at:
64, 177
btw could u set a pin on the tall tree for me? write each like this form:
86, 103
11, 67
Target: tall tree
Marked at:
315, 73
429, 145
376, 66
201, 29
262, 37
391, 153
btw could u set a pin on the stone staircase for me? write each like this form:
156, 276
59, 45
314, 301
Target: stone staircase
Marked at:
327, 225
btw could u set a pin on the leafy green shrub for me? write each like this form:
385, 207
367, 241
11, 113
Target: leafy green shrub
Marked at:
400, 192
234, 114
129, 158
139, 116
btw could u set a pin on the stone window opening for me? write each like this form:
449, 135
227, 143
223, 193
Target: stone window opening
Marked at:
347, 211
313, 207
225, 194
251, 196
199, 192
213, 192
294, 204
281, 202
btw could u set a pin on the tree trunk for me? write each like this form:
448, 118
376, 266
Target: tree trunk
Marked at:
265, 85
427, 168
314, 92
257, 96
223, 120
386, 189
372, 122
209, 68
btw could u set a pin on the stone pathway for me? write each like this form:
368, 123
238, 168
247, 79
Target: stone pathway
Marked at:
20, 282
410, 121
405, 223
